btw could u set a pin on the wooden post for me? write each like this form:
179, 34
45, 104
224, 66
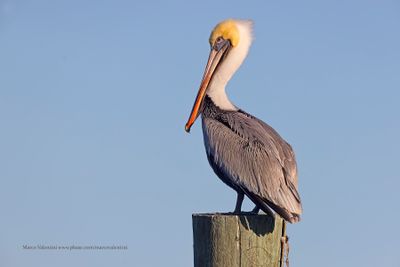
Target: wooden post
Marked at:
228, 240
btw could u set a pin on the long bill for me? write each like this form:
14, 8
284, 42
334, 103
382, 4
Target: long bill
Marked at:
214, 59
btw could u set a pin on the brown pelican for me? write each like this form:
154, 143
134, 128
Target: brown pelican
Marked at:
246, 153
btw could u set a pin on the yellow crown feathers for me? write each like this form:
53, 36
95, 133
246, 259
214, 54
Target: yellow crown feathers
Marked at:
228, 30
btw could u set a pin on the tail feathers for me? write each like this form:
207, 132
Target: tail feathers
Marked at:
285, 214
265, 206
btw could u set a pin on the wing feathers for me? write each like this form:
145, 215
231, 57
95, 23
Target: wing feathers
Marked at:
251, 155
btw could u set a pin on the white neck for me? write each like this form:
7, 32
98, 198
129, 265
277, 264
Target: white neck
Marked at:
235, 57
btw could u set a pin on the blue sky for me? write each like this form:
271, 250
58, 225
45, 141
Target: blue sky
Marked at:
94, 96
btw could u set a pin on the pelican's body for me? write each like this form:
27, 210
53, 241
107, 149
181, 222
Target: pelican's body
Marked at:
245, 153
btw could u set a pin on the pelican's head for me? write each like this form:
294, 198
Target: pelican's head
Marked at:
227, 30
230, 41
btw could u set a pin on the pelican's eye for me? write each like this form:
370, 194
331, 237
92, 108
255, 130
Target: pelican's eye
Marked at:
219, 43
219, 40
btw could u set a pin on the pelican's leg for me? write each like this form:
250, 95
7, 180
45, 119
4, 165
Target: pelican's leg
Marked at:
239, 201
268, 211
256, 209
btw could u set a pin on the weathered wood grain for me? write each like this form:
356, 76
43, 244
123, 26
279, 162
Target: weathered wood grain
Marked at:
228, 240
